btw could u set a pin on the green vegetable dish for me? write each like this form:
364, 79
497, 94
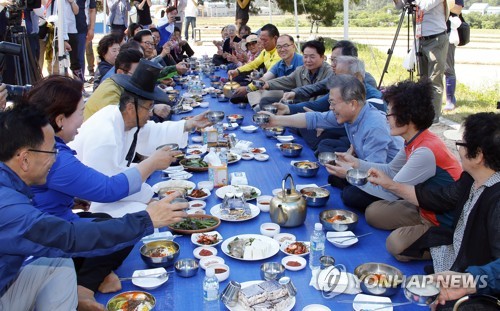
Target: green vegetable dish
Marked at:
195, 224
134, 300
195, 163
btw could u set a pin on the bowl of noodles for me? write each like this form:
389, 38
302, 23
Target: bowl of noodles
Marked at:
160, 253
132, 300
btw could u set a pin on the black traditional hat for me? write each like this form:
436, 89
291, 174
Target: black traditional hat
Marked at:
143, 81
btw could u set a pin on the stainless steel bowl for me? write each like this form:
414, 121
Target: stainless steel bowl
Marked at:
315, 196
274, 131
305, 168
418, 290
270, 108
222, 98
215, 116
271, 271
378, 278
214, 78
156, 262
130, 295
258, 83
327, 158
217, 85
172, 146
235, 118
357, 177
349, 224
291, 150
186, 267
260, 118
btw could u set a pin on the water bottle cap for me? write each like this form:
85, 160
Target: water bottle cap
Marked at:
210, 272
318, 226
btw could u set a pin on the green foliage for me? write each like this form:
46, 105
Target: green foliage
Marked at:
290, 22
320, 10
480, 21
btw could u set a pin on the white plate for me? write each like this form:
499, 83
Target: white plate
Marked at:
174, 169
210, 260
239, 307
283, 237
247, 156
236, 157
285, 139
196, 251
196, 146
249, 128
284, 245
174, 184
362, 301
197, 139
337, 238
195, 236
221, 192
180, 175
216, 211
149, 282
316, 307
200, 198
261, 157
196, 151
200, 204
257, 150
296, 258
272, 250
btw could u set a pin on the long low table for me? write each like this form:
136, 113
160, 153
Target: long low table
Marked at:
187, 294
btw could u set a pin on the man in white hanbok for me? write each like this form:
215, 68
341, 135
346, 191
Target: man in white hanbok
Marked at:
106, 140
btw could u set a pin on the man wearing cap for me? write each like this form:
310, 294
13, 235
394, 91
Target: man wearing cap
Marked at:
268, 57
251, 48
108, 141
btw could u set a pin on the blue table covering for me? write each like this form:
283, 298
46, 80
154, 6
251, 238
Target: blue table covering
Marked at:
187, 294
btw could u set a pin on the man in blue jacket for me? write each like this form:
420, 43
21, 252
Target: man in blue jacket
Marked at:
27, 153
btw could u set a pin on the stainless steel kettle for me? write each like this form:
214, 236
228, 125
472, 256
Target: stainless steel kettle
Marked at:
288, 207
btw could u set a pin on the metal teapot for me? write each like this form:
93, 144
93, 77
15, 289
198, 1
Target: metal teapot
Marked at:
288, 207
229, 88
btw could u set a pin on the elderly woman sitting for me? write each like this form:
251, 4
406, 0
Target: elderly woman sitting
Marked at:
473, 241
424, 159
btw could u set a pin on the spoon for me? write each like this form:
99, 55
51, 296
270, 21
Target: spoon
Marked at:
388, 305
351, 238
148, 276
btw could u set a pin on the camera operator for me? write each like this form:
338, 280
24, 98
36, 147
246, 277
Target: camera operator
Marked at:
430, 29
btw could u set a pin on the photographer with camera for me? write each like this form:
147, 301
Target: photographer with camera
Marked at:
430, 30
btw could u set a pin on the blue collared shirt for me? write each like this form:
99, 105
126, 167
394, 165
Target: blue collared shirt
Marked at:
280, 69
369, 133
69, 178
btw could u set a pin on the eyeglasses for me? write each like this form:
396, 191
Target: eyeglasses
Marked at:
149, 43
333, 60
459, 144
53, 152
284, 46
389, 114
150, 109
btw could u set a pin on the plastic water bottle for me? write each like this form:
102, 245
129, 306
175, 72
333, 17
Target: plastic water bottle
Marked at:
223, 156
210, 285
317, 248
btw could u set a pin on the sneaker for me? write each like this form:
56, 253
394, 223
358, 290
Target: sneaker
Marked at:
90, 80
85, 94
449, 107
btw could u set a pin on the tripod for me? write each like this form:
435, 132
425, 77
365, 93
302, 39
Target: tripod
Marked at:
25, 66
408, 11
